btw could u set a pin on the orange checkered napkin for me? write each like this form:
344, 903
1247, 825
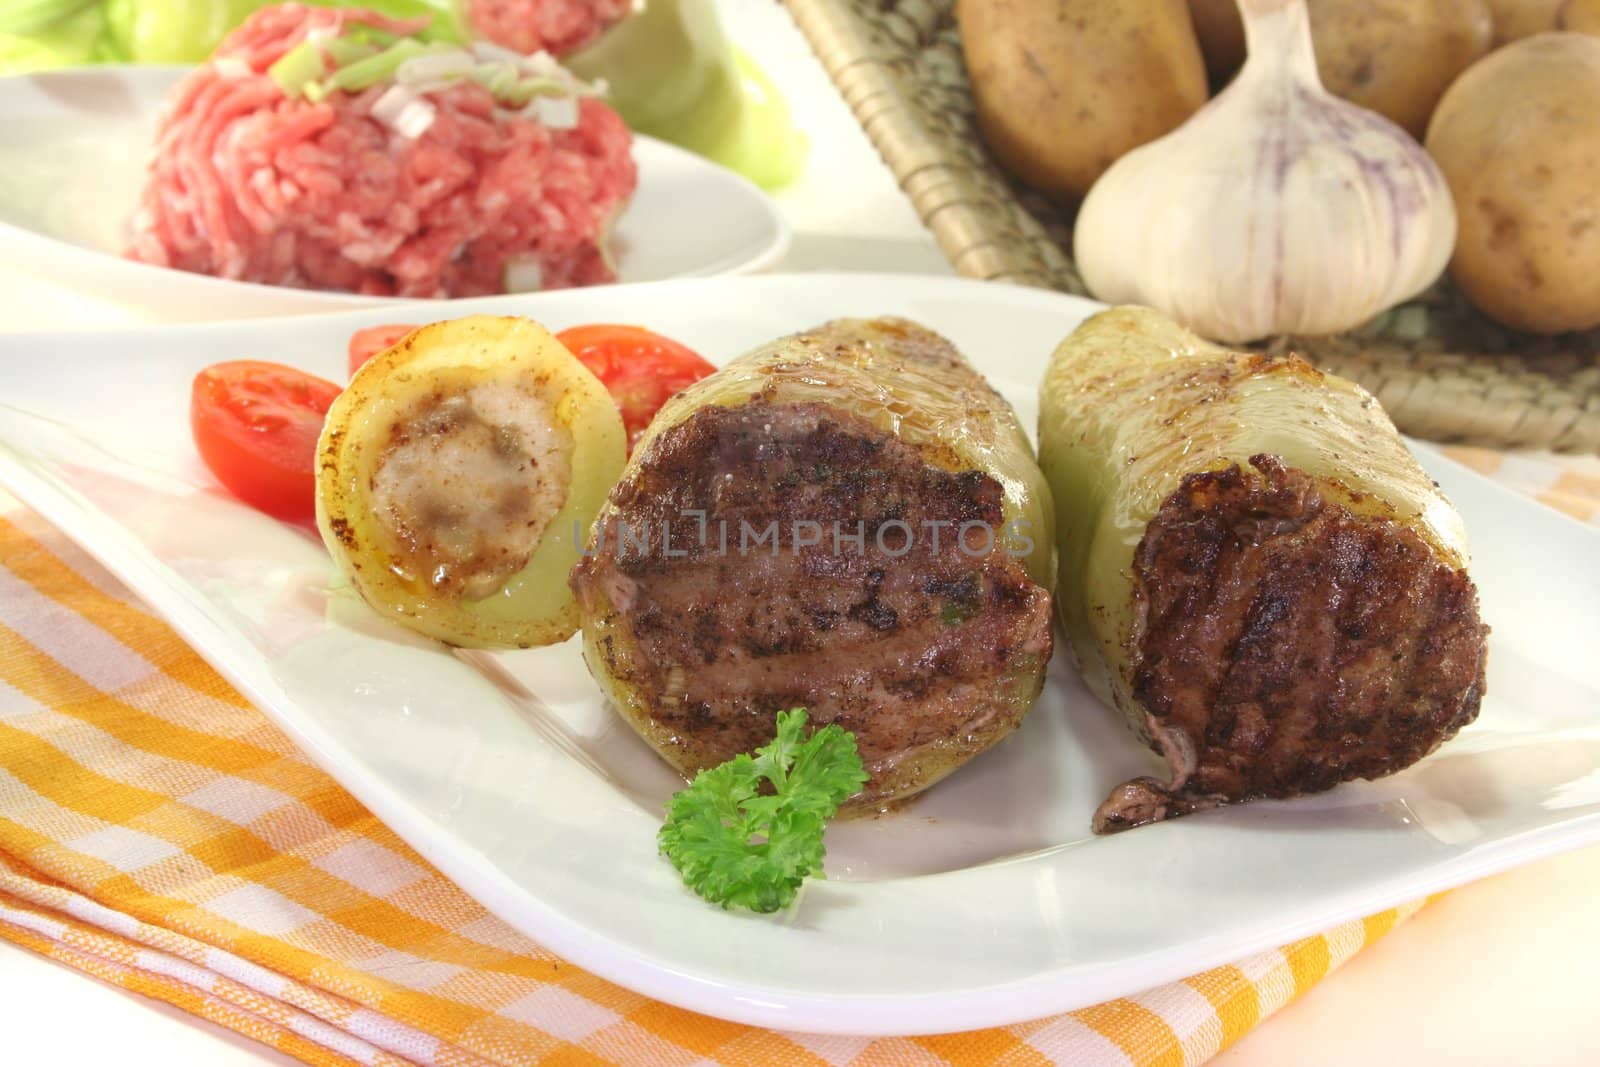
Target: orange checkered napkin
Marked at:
1570, 484
158, 832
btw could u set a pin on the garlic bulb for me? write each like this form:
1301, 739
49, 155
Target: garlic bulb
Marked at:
1277, 208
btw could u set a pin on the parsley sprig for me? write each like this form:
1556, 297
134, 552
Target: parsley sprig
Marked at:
738, 846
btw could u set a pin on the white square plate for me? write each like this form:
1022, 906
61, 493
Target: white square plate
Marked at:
988, 901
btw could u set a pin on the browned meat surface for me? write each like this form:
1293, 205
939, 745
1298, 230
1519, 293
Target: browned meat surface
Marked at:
914, 648
1287, 644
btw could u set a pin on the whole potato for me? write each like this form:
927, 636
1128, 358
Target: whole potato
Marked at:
1518, 139
1579, 16
1065, 87
1220, 31
1397, 57
1516, 19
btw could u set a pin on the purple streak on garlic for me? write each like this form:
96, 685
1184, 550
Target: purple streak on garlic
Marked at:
1277, 208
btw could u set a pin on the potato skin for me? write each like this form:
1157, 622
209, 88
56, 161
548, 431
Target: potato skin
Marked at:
1516, 19
1065, 87
1397, 57
1518, 139
1579, 16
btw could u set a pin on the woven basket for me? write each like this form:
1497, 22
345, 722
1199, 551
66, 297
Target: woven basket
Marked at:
1441, 369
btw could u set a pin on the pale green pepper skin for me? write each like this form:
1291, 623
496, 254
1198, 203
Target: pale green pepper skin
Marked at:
57, 33
78, 37
173, 31
1132, 403
186, 31
672, 73
30, 16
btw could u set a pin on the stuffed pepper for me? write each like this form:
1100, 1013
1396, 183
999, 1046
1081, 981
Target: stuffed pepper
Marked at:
457, 477
1254, 569
848, 520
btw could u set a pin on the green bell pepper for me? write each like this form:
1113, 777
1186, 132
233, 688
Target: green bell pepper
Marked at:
186, 31
673, 74
79, 37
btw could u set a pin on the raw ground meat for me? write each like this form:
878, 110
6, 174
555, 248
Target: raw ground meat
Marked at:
248, 184
554, 26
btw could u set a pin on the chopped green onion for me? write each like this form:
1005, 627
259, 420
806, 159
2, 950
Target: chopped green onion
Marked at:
437, 70
297, 68
365, 73
526, 89
303, 72
379, 39
346, 50
498, 78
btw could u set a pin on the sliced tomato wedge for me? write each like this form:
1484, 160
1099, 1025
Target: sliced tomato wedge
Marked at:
364, 344
641, 369
256, 426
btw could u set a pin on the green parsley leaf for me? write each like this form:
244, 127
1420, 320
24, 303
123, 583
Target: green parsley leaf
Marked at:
739, 846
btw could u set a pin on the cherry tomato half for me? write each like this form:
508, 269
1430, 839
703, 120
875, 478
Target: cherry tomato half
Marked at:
640, 369
256, 426
364, 344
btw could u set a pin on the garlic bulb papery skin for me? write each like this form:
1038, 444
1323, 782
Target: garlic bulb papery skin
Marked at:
1277, 208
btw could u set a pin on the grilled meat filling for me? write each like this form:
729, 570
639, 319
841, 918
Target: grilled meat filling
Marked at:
1283, 644
467, 484
774, 555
